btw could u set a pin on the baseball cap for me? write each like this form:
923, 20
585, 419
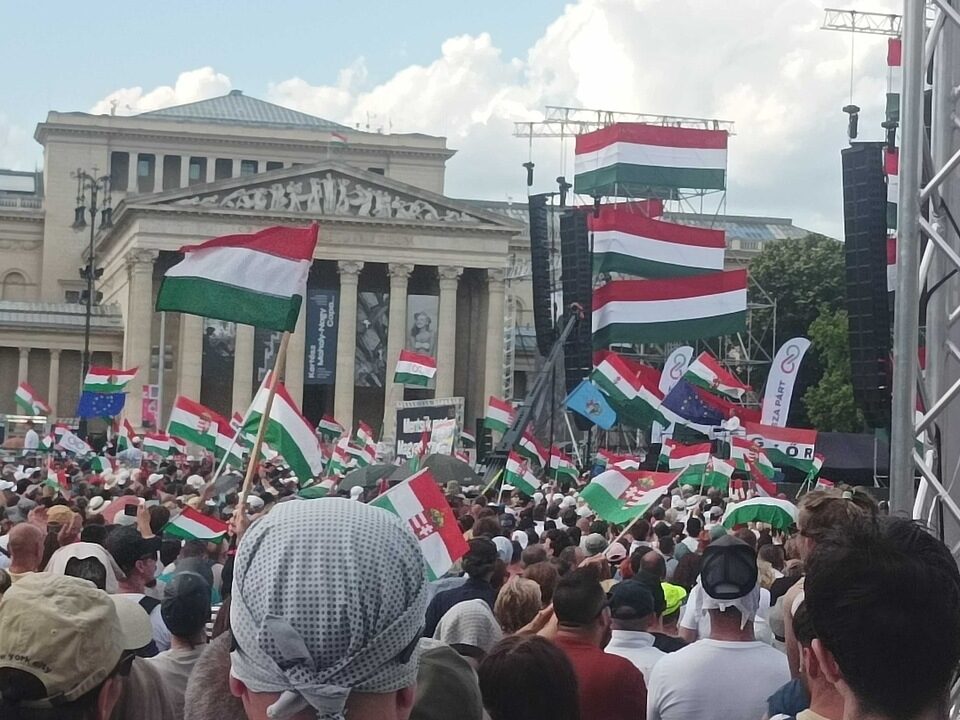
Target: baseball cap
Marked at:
67, 633
594, 544
674, 595
60, 515
127, 545
7, 485
630, 600
96, 504
615, 553
729, 569
153, 479
185, 607
195, 481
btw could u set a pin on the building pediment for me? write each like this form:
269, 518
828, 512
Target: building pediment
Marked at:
326, 189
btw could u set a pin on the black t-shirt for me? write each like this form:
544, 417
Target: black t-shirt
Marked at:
779, 588
666, 643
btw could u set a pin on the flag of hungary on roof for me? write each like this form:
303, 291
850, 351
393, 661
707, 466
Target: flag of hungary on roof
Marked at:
620, 496
258, 279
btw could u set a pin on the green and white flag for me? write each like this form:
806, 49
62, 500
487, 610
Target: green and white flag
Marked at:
621, 496
706, 372
192, 422
499, 415
415, 369
107, 380
636, 403
517, 473
29, 401
716, 473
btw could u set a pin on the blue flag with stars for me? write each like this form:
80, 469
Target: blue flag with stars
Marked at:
684, 401
105, 405
587, 400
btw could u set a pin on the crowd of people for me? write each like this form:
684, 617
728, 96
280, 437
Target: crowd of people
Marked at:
321, 608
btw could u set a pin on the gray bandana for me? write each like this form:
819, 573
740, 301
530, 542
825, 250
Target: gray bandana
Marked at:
329, 596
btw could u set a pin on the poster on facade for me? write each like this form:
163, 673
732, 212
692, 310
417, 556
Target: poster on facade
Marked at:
150, 405
423, 312
320, 353
373, 315
216, 375
266, 345
415, 416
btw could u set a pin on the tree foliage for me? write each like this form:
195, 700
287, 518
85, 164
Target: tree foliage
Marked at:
830, 405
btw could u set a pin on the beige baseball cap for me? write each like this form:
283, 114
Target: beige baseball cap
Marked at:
67, 633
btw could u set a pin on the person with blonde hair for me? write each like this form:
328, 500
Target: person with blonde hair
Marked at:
517, 604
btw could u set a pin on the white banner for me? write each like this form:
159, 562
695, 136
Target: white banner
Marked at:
783, 376
673, 370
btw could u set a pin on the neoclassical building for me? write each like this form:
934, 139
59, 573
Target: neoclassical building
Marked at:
398, 264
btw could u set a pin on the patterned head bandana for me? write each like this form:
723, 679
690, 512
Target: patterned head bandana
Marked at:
469, 623
329, 597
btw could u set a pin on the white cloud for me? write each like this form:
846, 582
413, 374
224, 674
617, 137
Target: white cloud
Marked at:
765, 65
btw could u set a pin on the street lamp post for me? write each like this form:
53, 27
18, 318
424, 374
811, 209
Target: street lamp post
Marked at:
89, 185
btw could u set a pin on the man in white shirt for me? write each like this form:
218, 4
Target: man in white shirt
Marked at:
730, 674
632, 615
31, 440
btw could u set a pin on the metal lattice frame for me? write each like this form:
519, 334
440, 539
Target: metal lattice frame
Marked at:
928, 260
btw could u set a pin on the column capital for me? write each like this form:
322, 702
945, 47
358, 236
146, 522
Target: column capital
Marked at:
449, 272
142, 259
399, 270
24, 352
349, 267
496, 275
55, 352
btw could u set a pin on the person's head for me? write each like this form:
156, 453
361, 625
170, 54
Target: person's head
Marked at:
821, 512
731, 594
555, 541
488, 527
569, 517
686, 572
94, 532
332, 632
652, 562
546, 576
64, 648
574, 555
159, 516
185, 607
667, 546
532, 555
594, 544
526, 677
581, 606
470, 628
823, 695
631, 607
518, 602
26, 545
746, 535
694, 526
480, 559
640, 530
883, 604
136, 556
772, 554
88, 561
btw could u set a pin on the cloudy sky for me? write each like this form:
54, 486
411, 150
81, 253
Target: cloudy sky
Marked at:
468, 71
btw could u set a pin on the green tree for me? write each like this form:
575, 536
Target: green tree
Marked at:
830, 405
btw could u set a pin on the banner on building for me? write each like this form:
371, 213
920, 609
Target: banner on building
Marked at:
266, 345
373, 316
320, 353
219, 352
416, 416
783, 376
150, 405
423, 312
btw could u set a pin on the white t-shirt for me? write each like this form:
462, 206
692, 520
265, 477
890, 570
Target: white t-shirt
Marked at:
715, 679
637, 647
31, 441
161, 635
701, 624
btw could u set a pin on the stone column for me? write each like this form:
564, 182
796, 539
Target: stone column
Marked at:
346, 342
190, 362
293, 372
396, 331
24, 365
132, 174
448, 278
493, 363
53, 393
212, 172
137, 336
184, 170
235, 168
243, 369
157, 172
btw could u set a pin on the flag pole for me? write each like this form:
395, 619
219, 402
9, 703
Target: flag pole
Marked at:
264, 420
223, 462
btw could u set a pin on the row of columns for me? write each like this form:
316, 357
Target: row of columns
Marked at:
134, 162
53, 383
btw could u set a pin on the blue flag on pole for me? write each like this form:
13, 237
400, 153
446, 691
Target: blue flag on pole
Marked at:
684, 401
104, 405
587, 400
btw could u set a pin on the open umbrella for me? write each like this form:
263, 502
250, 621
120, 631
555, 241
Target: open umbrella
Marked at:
777, 513
444, 468
366, 477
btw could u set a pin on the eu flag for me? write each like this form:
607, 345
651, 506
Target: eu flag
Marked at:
587, 400
94, 404
685, 402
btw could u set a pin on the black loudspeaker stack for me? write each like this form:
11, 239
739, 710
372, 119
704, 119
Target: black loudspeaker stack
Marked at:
576, 283
540, 268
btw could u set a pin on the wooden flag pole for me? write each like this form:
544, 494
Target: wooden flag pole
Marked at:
264, 419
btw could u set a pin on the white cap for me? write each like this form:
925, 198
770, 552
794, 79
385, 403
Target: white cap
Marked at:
135, 440
676, 502
538, 497
21, 474
568, 502
96, 504
584, 511
7, 485
154, 478
122, 477
191, 458
254, 502
211, 503
557, 497
195, 481
291, 479
355, 492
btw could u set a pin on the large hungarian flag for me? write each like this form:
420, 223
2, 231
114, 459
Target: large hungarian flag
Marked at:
193, 525
258, 279
29, 401
192, 422
287, 432
107, 380
638, 160
680, 457
674, 310
636, 403
414, 369
621, 496
420, 503
517, 473
706, 372
157, 443
628, 242
792, 447
226, 442
744, 453
561, 466
499, 415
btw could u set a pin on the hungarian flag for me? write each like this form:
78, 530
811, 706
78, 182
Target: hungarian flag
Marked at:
420, 503
360, 456
193, 525
499, 415
630, 243
743, 452
636, 403
638, 160
894, 77
531, 449
621, 496
764, 486
125, 435
193, 422
612, 460
672, 310
891, 168
101, 464
518, 473
824, 484
157, 443
716, 473
680, 457
339, 459
177, 446
258, 279
287, 432
329, 428
815, 467
561, 466
706, 372
791, 447
29, 401
318, 489
467, 439
226, 442
414, 369
107, 380
364, 436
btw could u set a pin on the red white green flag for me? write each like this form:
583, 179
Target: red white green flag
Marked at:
517, 473
791, 447
500, 414
635, 402
107, 380
414, 369
678, 456
193, 525
530, 448
716, 473
621, 496
29, 400
125, 435
891, 168
672, 310
364, 437
419, 501
192, 422
258, 279
157, 443
706, 372
562, 466
743, 452
329, 428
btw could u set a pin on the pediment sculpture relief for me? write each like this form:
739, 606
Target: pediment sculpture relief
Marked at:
329, 194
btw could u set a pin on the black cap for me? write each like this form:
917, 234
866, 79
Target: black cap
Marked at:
185, 607
630, 600
127, 545
729, 569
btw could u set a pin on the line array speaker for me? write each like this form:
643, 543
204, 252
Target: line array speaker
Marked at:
576, 281
540, 266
